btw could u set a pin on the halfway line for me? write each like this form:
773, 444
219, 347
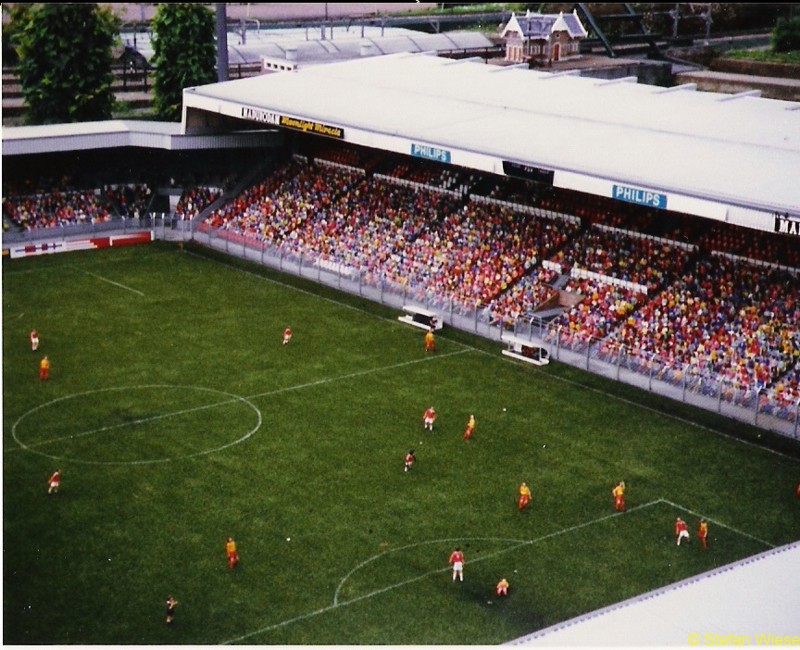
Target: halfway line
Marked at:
116, 284
360, 373
277, 391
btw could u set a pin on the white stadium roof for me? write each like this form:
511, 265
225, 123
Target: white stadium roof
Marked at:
82, 136
730, 157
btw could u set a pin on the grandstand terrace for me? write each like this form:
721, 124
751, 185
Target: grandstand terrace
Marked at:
605, 220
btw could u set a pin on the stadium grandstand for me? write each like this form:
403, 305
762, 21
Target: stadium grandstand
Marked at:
644, 233
647, 234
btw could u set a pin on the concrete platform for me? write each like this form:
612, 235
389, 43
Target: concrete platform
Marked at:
727, 82
739, 604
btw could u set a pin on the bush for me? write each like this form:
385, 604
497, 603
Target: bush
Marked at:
786, 37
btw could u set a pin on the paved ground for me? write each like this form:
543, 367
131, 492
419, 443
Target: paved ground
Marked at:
727, 82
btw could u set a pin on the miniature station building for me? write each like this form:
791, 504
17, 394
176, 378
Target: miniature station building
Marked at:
543, 38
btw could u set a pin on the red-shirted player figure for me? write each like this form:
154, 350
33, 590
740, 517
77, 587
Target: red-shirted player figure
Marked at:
619, 496
287, 335
428, 418
470, 427
54, 482
430, 341
410, 458
34, 340
233, 554
44, 368
502, 587
524, 496
457, 560
681, 531
798, 490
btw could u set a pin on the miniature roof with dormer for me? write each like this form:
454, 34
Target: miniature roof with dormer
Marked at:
540, 26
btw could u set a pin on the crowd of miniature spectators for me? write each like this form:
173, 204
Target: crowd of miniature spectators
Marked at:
48, 203
723, 312
603, 306
467, 254
624, 255
732, 324
56, 209
194, 200
129, 200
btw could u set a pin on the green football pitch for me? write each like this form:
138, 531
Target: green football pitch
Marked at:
178, 419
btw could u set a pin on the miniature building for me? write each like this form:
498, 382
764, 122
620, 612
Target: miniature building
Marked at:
543, 38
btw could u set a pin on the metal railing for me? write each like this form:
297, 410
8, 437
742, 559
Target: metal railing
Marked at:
685, 383
682, 382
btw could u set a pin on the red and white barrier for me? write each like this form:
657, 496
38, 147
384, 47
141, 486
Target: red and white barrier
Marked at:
48, 248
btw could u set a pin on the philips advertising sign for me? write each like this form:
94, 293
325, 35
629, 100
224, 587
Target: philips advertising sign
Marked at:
431, 153
640, 197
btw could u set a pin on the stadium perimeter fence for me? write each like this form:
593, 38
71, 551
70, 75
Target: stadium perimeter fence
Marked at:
685, 383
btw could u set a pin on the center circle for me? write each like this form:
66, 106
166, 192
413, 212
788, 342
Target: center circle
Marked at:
127, 414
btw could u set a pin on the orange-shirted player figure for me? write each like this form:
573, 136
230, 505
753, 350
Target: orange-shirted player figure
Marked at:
44, 368
233, 554
470, 428
619, 496
524, 496
287, 335
702, 532
428, 418
502, 587
681, 531
410, 458
798, 490
457, 560
171, 604
430, 341
54, 482
34, 340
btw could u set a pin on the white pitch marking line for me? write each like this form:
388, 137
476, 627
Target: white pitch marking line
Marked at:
319, 382
353, 375
719, 523
518, 543
111, 427
336, 604
235, 398
8, 319
116, 284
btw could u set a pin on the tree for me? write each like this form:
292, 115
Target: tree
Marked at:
15, 17
65, 62
184, 54
786, 36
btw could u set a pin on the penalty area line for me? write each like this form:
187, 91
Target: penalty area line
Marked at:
719, 523
520, 543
